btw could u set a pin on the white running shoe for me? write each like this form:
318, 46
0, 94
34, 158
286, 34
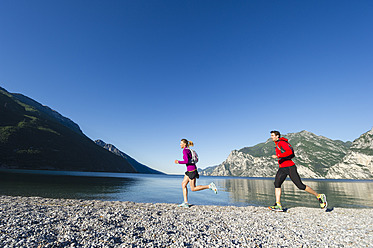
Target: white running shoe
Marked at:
212, 186
184, 205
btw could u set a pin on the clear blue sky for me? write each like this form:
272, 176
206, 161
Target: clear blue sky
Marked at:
144, 74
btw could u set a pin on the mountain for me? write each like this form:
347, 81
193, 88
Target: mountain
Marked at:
207, 170
358, 162
138, 166
50, 112
33, 136
314, 156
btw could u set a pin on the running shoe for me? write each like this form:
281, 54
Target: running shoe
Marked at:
184, 205
276, 207
212, 186
322, 200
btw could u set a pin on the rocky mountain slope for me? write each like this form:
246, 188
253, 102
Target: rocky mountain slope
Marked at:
358, 162
314, 156
48, 111
138, 166
35, 137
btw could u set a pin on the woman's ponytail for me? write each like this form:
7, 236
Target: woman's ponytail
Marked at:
188, 143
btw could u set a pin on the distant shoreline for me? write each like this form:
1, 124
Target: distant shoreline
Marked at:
117, 174
44, 222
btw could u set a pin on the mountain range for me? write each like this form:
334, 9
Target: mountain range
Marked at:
141, 168
315, 157
33, 136
358, 162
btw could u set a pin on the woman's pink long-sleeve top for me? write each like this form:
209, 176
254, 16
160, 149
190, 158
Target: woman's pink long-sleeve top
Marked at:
187, 154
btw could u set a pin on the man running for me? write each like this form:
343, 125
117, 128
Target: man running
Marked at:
284, 154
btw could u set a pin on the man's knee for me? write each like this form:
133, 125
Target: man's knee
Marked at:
301, 186
277, 185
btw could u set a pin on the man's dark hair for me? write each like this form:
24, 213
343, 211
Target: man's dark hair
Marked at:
277, 133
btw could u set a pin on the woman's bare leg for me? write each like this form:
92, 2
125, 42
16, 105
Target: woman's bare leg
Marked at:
193, 186
184, 187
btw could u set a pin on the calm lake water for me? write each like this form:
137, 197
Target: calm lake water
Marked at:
167, 189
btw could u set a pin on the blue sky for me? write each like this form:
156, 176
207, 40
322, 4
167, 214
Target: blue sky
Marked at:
144, 74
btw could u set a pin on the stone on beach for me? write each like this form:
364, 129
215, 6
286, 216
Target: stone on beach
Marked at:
42, 222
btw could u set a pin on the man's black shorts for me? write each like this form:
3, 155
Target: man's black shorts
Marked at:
282, 173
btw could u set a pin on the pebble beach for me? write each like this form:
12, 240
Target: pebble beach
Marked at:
44, 222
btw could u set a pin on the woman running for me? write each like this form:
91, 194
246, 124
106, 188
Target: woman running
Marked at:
191, 174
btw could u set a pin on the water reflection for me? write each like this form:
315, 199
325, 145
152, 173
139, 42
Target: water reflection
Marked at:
60, 186
167, 189
261, 192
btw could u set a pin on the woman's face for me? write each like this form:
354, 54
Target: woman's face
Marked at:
182, 145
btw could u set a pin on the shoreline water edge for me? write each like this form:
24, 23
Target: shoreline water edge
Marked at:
45, 222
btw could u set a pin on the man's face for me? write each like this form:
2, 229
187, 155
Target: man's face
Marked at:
274, 137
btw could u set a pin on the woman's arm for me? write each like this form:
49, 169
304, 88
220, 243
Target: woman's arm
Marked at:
185, 158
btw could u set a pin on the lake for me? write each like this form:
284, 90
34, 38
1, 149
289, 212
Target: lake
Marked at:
167, 189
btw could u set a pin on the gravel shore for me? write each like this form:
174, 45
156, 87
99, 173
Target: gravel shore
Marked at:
42, 222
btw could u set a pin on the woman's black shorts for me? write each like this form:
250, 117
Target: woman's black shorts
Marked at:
192, 174
282, 173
